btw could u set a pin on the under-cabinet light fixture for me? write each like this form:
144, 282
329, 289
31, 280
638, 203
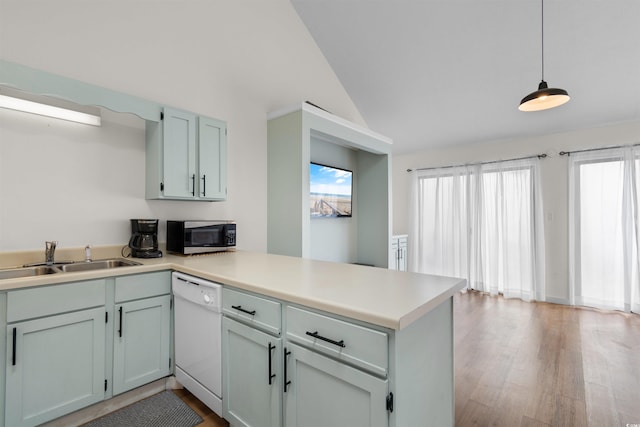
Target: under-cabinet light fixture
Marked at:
33, 107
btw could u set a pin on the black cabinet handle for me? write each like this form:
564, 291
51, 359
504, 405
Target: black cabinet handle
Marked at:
271, 376
193, 184
239, 308
286, 382
204, 185
13, 352
120, 330
329, 340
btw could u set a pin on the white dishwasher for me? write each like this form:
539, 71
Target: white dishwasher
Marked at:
198, 330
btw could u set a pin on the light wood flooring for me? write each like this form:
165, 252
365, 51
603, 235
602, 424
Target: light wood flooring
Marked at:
541, 364
535, 364
210, 419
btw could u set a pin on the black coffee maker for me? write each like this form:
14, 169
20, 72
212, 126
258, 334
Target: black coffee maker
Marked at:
144, 238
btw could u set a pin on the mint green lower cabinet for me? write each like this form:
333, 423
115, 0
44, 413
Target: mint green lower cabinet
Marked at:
73, 349
141, 351
57, 366
252, 379
324, 392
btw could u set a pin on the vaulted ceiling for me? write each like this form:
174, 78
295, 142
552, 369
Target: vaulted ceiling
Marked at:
434, 73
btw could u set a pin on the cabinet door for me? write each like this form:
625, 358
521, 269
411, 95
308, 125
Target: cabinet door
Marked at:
141, 347
55, 365
402, 258
212, 145
252, 362
394, 254
323, 392
179, 154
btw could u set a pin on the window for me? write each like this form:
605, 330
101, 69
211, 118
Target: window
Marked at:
482, 223
604, 221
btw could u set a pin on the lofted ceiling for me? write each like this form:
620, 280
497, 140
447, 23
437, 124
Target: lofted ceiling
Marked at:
437, 73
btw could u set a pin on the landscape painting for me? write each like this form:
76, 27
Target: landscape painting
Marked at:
330, 191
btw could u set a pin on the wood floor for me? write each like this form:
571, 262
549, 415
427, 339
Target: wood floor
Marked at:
535, 364
540, 364
210, 419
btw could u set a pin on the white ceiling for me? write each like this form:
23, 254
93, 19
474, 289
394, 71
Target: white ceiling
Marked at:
434, 73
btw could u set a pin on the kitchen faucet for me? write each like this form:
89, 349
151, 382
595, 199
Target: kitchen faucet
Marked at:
49, 252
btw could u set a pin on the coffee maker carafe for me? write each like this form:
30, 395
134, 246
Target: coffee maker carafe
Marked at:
144, 238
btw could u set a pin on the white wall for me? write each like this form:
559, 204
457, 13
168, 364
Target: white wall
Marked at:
232, 60
554, 184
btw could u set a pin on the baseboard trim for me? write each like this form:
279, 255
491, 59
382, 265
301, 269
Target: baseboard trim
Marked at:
555, 300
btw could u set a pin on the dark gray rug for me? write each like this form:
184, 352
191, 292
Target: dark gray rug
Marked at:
164, 409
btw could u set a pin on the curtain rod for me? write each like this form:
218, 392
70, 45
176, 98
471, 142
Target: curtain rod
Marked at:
540, 156
568, 153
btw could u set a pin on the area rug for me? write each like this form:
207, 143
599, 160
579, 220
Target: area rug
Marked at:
164, 409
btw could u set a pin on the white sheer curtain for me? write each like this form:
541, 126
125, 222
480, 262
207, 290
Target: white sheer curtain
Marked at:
604, 228
441, 223
483, 223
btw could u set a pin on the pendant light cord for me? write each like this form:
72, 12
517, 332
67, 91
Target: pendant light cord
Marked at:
542, 35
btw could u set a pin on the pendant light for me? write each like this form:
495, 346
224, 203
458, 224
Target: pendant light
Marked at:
545, 97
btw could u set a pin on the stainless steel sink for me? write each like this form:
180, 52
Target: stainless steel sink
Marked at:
15, 273
40, 270
99, 264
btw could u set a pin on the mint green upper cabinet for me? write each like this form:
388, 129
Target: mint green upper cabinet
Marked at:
212, 148
179, 154
186, 157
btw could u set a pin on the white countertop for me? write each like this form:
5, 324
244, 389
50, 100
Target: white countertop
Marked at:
386, 298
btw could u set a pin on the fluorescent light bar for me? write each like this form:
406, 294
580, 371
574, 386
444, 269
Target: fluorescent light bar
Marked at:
48, 110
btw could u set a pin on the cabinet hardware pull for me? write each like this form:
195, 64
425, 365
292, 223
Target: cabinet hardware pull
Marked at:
239, 308
271, 376
329, 340
193, 184
13, 352
120, 330
204, 185
286, 383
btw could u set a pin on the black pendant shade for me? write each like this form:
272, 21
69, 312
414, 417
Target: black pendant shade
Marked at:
544, 98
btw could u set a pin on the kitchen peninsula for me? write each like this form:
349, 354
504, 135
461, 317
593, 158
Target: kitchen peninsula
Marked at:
388, 329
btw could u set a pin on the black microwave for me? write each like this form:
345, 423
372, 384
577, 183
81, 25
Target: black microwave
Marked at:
197, 237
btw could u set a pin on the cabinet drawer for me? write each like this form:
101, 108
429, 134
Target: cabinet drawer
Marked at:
145, 285
357, 345
266, 313
48, 300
